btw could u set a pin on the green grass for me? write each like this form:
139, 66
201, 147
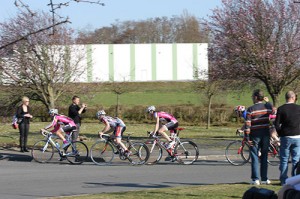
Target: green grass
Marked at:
218, 191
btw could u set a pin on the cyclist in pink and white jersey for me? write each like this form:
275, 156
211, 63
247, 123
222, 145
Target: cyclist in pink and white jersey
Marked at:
114, 124
171, 123
58, 120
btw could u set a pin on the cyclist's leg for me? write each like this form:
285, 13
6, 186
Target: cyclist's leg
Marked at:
162, 132
59, 133
119, 130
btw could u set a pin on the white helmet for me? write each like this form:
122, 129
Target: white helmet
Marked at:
53, 111
239, 108
150, 108
101, 112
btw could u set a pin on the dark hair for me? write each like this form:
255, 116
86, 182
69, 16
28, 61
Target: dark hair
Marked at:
75, 97
258, 94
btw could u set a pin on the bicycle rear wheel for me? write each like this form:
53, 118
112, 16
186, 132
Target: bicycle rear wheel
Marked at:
102, 152
186, 152
42, 151
77, 152
237, 154
155, 152
139, 153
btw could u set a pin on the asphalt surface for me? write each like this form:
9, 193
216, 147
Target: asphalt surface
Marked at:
22, 177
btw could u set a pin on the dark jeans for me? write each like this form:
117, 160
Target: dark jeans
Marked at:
76, 133
260, 142
24, 130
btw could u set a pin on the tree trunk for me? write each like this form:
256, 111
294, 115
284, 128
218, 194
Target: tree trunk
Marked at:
209, 111
117, 106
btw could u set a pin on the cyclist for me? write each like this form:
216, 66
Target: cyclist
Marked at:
114, 124
57, 121
241, 113
171, 124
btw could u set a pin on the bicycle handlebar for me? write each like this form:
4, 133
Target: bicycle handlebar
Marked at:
105, 135
45, 132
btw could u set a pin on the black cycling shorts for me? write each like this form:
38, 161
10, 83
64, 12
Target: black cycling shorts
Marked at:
171, 125
68, 128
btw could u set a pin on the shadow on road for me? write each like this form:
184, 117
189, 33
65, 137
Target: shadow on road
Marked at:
26, 157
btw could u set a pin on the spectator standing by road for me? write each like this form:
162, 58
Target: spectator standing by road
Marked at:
287, 124
23, 115
258, 136
75, 112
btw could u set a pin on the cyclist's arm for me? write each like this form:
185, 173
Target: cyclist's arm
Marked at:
247, 126
156, 125
54, 122
106, 128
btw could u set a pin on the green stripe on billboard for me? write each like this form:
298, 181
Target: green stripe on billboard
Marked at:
111, 62
132, 62
153, 61
174, 61
195, 61
89, 52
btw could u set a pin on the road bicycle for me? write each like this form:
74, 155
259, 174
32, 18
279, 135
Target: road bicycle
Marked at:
185, 152
104, 150
238, 152
42, 151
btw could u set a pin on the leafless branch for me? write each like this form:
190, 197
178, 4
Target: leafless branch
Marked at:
33, 33
20, 5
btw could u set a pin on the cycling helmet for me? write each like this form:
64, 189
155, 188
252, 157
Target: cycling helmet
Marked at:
150, 108
99, 113
239, 108
53, 111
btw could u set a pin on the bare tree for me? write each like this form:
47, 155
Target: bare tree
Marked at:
257, 39
183, 29
44, 63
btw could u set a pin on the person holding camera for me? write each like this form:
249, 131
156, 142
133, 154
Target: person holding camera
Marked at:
75, 111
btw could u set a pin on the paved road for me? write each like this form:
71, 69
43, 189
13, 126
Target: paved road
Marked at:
23, 178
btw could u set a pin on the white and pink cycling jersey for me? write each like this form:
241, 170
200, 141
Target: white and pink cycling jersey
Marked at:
166, 116
60, 120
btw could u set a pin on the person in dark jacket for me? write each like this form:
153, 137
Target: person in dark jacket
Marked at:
287, 125
23, 115
258, 136
75, 112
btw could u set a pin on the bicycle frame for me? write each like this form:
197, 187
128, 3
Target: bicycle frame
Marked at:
49, 139
170, 151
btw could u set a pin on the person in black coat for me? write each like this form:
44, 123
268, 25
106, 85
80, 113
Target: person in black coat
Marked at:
75, 112
23, 115
287, 125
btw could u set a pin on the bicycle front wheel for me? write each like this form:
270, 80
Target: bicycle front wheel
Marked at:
155, 152
237, 154
274, 155
102, 152
42, 151
77, 152
186, 152
139, 153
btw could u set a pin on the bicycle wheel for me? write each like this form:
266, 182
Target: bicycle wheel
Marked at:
186, 152
235, 155
77, 152
274, 155
139, 153
102, 152
155, 152
42, 151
